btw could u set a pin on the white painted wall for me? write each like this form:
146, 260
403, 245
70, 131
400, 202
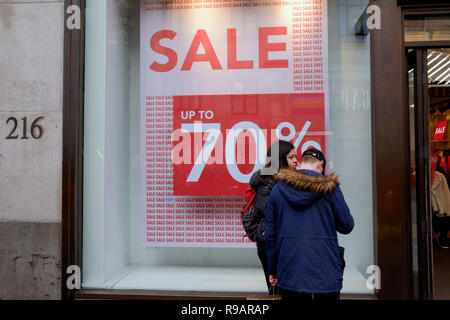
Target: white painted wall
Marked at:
350, 147
117, 136
94, 142
106, 152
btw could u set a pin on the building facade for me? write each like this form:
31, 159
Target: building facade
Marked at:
100, 97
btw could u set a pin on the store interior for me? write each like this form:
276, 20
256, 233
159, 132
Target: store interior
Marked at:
439, 100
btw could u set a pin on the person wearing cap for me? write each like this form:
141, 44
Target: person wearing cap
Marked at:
304, 212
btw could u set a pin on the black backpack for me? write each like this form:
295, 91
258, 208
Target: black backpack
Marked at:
247, 214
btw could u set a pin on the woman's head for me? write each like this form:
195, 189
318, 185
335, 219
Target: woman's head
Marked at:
286, 155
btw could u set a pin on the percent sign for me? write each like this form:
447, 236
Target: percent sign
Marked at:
214, 133
300, 137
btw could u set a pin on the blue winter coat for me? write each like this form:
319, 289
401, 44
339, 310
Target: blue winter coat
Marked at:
303, 213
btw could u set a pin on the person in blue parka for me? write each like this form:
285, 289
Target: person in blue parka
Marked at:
304, 212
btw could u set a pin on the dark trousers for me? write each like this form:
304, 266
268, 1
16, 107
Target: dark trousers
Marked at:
290, 296
263, 258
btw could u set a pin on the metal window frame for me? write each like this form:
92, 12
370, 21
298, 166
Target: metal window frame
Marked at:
72, 159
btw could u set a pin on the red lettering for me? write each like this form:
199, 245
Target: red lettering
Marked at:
210, 55
169, 53
232, 62
265, 47
201, 38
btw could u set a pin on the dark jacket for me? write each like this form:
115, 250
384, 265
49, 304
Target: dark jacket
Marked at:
303, 213
263, 185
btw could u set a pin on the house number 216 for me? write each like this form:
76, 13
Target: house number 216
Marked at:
35, 129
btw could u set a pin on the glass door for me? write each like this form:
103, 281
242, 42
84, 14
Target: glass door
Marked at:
429, 115
438, 62
420, 173
427, 43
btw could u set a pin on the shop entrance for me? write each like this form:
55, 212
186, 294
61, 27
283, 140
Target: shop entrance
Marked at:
429, 110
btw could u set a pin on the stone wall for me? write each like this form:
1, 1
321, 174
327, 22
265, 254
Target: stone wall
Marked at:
31, 87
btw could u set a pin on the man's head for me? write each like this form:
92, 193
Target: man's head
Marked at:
313, 159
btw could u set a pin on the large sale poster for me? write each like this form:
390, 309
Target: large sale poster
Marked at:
221, 80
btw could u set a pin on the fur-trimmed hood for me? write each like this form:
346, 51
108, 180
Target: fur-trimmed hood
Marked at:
314, 185
307, 182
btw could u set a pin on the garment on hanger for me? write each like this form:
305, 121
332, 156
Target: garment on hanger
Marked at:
444, 160
440, 198
447, 114
434, 119
442, 167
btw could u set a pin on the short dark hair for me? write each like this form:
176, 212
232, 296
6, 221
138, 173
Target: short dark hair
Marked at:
309, 159
315, 153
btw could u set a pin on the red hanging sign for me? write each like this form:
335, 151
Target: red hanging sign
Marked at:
439, 133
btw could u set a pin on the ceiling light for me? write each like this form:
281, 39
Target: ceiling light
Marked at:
439, 69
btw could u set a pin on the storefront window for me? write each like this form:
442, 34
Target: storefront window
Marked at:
182, 100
